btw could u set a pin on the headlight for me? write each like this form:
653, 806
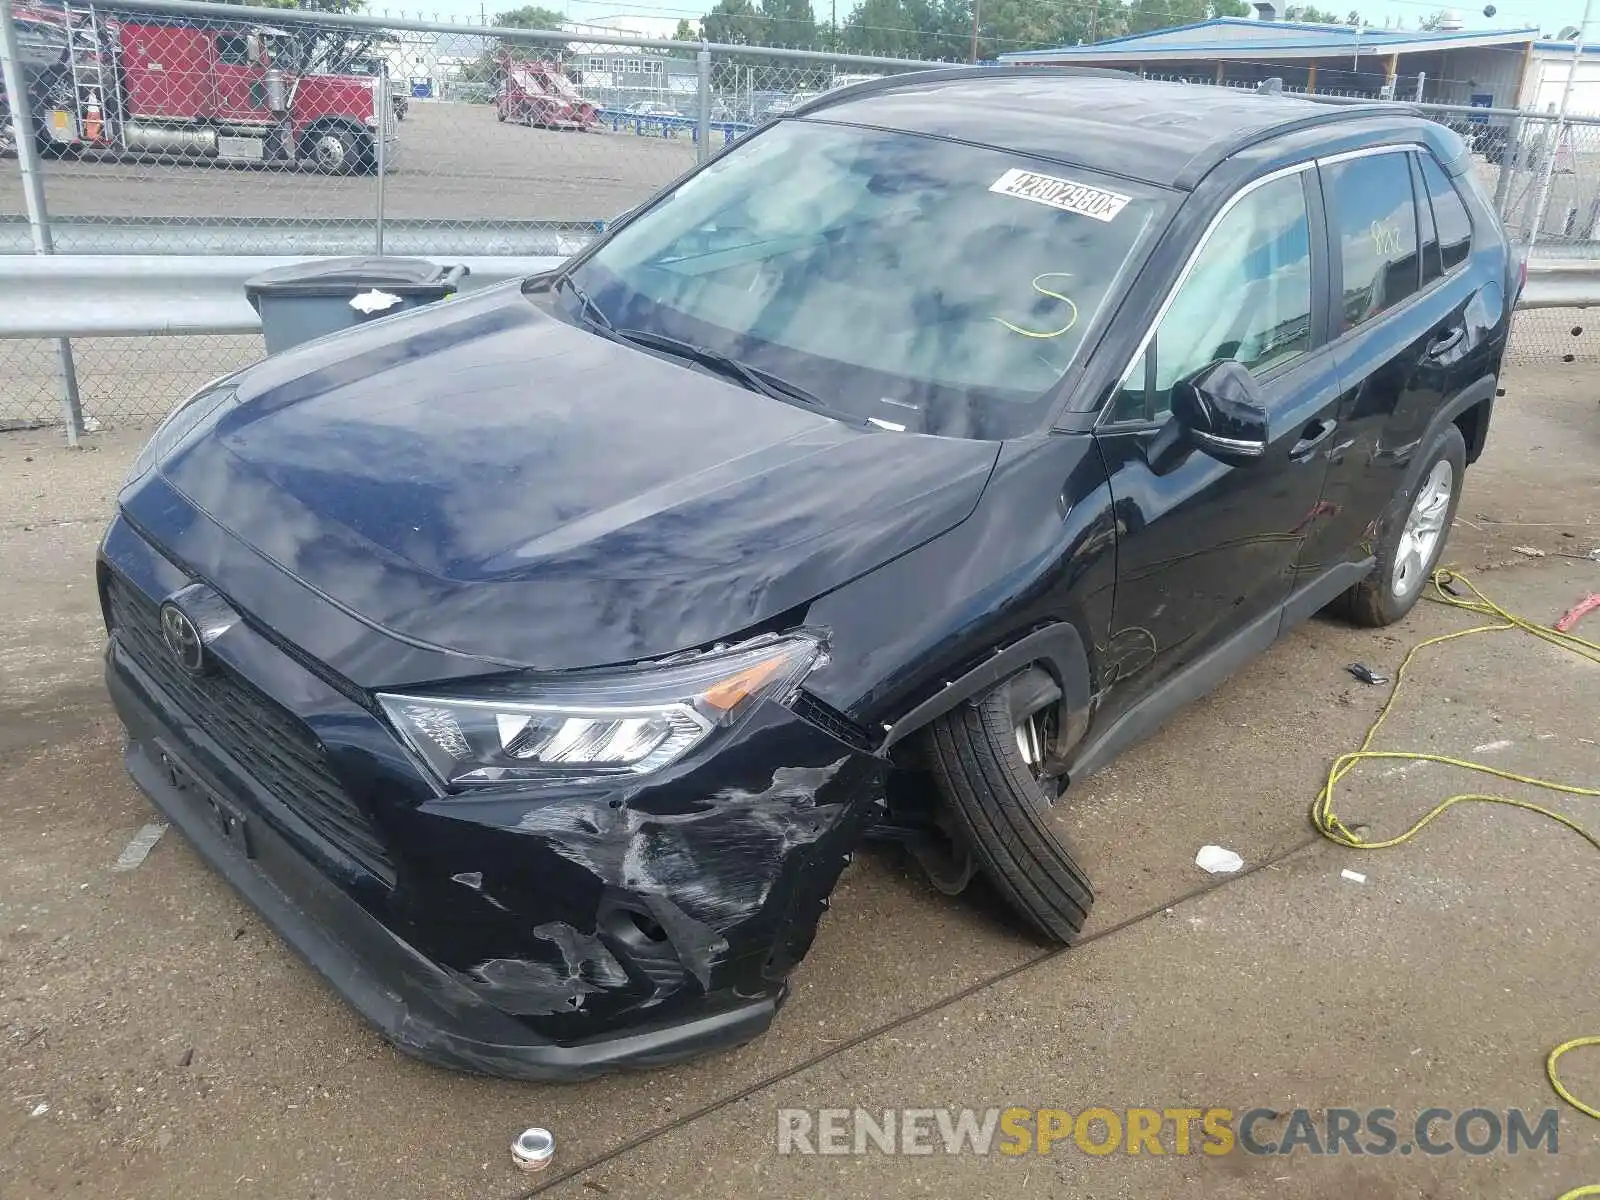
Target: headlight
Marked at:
594, 724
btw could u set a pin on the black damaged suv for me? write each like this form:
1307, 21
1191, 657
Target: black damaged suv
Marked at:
535, 661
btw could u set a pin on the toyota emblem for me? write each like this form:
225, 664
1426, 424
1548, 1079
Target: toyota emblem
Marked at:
183, 639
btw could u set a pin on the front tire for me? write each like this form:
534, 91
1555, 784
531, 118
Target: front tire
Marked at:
1412, 536
1001, 809
338, 152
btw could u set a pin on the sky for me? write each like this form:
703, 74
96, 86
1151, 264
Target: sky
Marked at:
1549, 15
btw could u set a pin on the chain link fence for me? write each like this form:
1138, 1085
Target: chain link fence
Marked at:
121, 381
196, 128
185, 128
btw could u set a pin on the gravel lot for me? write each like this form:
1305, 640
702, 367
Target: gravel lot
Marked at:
179, 1049
457, 163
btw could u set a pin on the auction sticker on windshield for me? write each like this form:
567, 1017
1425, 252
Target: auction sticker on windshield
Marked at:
1065, 194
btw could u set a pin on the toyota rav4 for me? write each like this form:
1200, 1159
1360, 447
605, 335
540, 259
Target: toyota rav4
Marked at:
534, 662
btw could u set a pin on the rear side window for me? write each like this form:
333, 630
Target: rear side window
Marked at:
1449, 213
1375, 219
1428, 236
1247, 298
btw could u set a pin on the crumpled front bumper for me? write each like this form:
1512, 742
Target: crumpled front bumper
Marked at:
415, 1003
537, 936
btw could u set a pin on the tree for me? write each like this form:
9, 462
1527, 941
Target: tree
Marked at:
1313, 15
1020, 24
685, 32
789, 23
486, 67
1146, 15
529, 17
734, 22
931, 29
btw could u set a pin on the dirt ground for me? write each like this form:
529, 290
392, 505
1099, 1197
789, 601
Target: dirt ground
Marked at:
457, 163
157, 1041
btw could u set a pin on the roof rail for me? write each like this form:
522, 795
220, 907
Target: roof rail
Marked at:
1201, 164
888, 83
1192, 172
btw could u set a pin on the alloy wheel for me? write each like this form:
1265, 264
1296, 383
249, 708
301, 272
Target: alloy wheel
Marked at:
1423, 531
330, 153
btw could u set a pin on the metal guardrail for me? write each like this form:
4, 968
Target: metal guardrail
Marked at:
670, 124
1561, 283
52, 296
297, 238
465, 184
106, 295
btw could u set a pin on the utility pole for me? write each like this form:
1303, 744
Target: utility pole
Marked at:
977, 6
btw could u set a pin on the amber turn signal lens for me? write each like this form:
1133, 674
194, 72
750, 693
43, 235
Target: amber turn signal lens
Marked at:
736, 689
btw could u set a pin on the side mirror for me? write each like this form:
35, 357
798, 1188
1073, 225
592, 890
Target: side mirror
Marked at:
1222, 412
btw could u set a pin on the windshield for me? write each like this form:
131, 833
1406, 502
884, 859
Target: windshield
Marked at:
917, 283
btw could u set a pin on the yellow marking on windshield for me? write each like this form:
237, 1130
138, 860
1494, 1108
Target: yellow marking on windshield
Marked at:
1044, 291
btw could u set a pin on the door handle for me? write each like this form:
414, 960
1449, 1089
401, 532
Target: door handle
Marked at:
1446, 342
1312, 436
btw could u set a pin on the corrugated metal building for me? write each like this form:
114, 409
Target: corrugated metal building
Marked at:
1498, 68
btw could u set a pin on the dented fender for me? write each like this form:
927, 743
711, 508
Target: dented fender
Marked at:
575, 910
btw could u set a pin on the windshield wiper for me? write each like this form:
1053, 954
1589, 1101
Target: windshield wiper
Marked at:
754, 378
591, 311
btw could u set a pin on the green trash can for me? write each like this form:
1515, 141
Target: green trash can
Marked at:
308, 300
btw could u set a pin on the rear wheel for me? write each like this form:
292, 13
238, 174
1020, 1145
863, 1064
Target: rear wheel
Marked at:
987, 763
1411, 536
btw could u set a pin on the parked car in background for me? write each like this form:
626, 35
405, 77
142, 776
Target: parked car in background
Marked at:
534, 662
841, 80
650, 108
789, 103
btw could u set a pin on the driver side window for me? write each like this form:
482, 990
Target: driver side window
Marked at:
1247, 298
233, 49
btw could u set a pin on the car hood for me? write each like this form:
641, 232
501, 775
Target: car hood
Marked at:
483, 478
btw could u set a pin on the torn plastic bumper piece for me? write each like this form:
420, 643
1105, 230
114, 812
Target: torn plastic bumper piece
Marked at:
673, 976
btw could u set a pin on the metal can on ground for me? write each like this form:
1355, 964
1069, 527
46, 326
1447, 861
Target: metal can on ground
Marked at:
533, 1148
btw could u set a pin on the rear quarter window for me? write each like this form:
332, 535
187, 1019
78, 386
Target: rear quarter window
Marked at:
1449, 213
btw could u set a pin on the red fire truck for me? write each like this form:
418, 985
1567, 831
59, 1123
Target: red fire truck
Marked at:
224, 90
537, 93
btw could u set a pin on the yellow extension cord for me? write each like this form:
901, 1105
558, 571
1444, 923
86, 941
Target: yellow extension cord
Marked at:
1331, 827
